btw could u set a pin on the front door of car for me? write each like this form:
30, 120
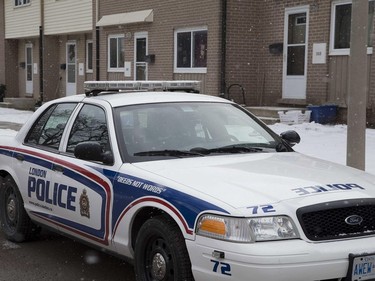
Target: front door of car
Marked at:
87, 184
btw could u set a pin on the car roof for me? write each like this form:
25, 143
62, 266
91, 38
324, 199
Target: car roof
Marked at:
117, 99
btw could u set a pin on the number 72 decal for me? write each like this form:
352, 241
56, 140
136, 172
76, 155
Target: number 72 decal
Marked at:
222, 267
262, 209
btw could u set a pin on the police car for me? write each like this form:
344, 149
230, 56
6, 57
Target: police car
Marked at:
188, 186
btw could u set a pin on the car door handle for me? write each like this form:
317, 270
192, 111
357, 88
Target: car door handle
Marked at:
58, 168
20, 157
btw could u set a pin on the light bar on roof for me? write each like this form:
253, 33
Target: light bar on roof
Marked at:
174, 85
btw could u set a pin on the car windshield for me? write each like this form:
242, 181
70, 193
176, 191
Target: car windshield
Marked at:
171, 130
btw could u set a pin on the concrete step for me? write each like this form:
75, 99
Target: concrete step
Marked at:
20, 103
5, 104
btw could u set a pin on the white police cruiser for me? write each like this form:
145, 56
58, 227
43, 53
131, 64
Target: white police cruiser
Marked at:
189, 186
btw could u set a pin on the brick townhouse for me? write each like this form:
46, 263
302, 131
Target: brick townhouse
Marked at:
261, 53
2, 52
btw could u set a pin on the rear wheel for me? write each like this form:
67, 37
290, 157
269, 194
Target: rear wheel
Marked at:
160, 252
15, 223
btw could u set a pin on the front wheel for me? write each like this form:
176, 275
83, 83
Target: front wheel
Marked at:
15, 223
160, 252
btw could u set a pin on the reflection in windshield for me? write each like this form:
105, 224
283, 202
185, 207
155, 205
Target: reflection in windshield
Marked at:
188, 127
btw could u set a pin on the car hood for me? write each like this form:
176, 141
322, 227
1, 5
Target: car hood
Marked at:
244, 180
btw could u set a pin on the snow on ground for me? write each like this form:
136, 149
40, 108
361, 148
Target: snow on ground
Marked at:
7, 132
13, 115
326, 142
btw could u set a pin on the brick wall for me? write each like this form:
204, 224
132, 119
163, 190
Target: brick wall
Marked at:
252, 27
168, 16
2, 51
242, 50
52, 76
55, 56
11, 62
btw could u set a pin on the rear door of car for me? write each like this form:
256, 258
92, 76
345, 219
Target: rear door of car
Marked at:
34, 163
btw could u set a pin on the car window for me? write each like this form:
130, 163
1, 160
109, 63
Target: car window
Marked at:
186, 126
90, 125
48, 129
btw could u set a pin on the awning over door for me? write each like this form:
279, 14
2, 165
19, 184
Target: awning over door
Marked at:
127, 18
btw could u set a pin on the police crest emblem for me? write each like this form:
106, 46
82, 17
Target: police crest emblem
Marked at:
84, 204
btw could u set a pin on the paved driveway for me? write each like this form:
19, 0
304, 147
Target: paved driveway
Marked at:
53, 257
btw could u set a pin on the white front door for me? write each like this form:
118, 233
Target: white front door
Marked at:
29, 69
71, 75
140, 63
295, 52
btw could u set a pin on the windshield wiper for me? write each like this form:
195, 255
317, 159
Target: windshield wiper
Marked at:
236, 148
169, 152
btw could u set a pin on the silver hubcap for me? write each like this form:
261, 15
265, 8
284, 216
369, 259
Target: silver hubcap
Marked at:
11, 209
159, 267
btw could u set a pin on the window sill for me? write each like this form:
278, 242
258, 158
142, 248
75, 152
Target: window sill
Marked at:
346, 52
190, 70
22, 6
115, 70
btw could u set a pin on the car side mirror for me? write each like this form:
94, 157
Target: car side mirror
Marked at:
92, 151
290, 137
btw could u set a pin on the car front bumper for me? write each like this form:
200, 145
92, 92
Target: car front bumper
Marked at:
289, 260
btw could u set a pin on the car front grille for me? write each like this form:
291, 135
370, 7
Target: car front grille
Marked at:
338, 219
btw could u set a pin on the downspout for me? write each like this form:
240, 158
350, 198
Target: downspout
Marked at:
41, 61
223, 47
97, 42
97, 54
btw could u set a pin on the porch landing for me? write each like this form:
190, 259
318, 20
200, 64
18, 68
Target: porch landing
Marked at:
18, 103
269, 114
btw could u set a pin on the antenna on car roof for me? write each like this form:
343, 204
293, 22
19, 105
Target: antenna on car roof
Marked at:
93, 88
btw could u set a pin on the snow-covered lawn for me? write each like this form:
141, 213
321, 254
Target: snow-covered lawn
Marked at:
328, 142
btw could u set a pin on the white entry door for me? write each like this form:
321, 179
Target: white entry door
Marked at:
140, 64
295, 52
29, 69
71, 66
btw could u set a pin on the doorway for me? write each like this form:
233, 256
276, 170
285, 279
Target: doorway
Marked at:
140, 64
71, 75
295, 52
29, 69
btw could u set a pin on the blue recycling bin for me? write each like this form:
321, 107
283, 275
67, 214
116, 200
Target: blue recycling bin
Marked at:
323, 114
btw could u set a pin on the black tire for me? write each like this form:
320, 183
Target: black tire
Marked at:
15, 223
160, 252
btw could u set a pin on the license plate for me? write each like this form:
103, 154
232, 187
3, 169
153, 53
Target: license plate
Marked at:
361, 267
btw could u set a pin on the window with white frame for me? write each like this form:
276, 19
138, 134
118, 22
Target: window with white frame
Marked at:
18, 3
341, 26
116, 53
190, 50
89, 56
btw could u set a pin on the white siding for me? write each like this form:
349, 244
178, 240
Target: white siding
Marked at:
23, 21
67, 16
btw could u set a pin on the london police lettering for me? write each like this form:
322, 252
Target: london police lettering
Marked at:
55, 194
326, 188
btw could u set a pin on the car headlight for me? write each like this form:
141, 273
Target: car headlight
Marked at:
246, 230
